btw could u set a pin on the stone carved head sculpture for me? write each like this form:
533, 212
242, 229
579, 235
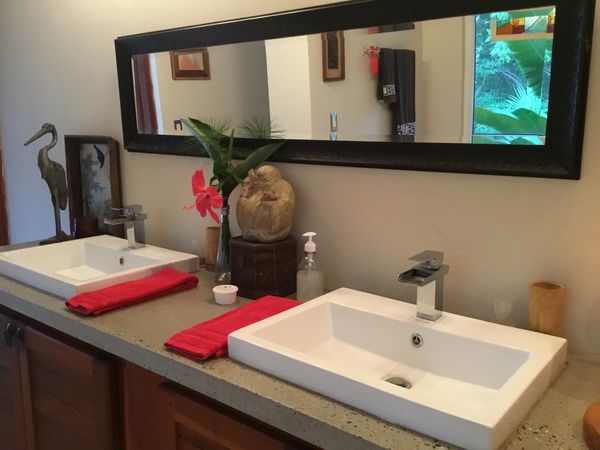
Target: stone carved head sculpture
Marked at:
265, 210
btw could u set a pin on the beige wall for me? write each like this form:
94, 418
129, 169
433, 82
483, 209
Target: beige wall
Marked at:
439, 47
289, 86
360, 115
499, 233
237, 89
443, 90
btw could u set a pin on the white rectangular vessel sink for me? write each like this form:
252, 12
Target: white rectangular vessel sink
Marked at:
460, 380
82, 265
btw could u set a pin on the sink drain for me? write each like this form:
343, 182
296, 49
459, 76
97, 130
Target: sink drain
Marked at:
416, 340
399, 381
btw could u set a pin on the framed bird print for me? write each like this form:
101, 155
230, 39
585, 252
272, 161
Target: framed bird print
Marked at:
94, 180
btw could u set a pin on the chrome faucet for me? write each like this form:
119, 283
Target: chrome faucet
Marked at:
133, 218
428, 276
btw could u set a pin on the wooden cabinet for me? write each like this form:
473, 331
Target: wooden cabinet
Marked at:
59, 394
163, 416
62, 396
12, 425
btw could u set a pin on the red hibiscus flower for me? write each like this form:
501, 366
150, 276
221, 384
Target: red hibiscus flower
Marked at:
207, 198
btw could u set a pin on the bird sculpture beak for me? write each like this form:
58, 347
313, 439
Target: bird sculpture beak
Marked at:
36, 136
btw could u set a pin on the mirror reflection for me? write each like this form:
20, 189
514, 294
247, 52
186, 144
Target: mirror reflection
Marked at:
473, 79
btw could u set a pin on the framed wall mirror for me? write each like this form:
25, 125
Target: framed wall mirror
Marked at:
477, 86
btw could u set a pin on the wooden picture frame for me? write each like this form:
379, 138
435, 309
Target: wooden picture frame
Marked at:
334, 59
94, 180
190, 64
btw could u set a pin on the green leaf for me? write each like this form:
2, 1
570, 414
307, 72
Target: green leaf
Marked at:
226, 176
485, 140
255, 159
192, 144
230, 147
503, 140
524, 97
211, 138
529, 56
533, 120
204, 134
528, 123
261, 128
522, 141
219, 126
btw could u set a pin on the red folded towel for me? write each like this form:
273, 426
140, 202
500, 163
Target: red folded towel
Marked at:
209, 338
167, 281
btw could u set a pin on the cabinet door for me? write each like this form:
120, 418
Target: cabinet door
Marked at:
70, 395
146, 413
201, 425
12, 429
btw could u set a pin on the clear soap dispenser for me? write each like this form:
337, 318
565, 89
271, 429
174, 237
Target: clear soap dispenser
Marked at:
309, 280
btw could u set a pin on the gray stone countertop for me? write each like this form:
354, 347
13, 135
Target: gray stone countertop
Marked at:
137, 334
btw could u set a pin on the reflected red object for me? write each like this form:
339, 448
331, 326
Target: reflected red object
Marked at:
374, 65
373, 53
550, 27
518, 26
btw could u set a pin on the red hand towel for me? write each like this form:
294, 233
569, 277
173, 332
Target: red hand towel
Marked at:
167, 281
210, 338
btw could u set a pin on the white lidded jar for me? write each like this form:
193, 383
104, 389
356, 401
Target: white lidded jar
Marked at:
309, 279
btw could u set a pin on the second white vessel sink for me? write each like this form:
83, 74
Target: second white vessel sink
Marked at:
461, 380
83, 265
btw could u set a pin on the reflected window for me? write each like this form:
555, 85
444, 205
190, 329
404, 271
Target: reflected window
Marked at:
513, 56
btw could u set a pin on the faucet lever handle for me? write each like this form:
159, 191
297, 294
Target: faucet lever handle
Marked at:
129, 210
430, 257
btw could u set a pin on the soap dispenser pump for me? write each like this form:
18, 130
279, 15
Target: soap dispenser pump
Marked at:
309, 280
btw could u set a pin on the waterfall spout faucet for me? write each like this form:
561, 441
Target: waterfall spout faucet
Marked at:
428, 276
133, 218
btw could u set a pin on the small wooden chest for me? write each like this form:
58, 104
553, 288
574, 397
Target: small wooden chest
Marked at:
259, 269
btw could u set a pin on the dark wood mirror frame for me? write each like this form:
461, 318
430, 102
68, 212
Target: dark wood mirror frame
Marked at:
560, 157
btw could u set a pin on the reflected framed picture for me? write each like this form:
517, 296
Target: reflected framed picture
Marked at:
333, 55
94, 180
190, 64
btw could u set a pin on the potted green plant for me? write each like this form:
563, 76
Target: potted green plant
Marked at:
212, 138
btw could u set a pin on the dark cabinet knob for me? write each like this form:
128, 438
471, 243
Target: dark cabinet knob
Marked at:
9, 333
